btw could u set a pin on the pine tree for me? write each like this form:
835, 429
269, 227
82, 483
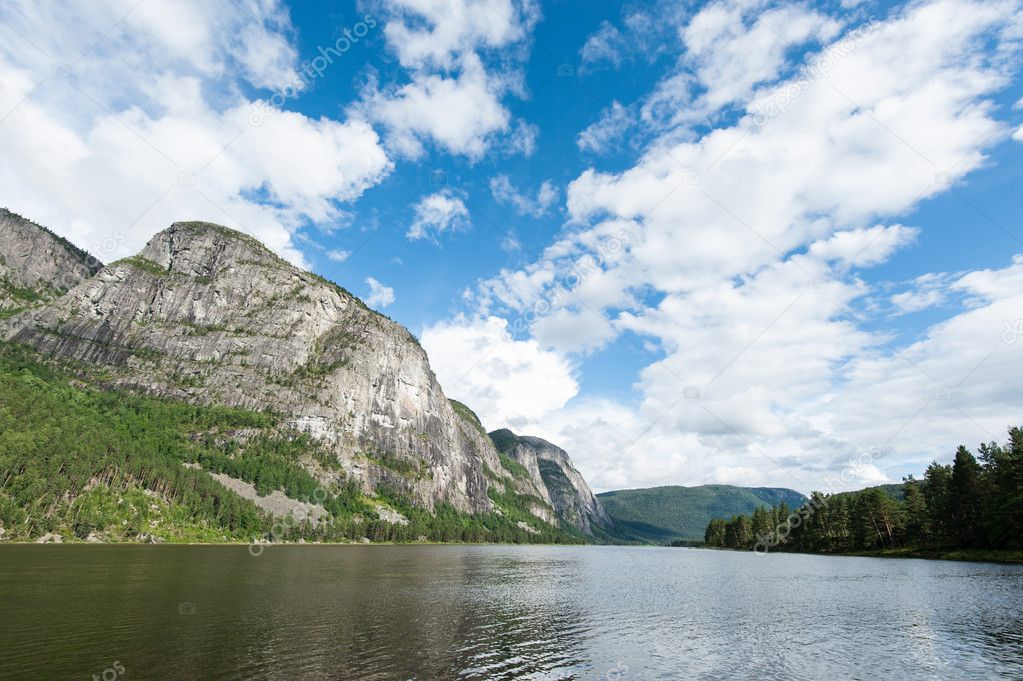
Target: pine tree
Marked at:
937, 493
918, 521
965, 499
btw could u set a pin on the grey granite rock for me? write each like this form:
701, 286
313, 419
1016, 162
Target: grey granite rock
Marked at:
209, 315
36, 265
563, 486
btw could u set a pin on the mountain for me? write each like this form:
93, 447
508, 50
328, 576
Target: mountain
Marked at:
663, 514
208, 316
563, 486
36, 265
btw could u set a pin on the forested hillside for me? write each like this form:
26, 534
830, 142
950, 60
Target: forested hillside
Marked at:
664, 514
973, 504
86, 463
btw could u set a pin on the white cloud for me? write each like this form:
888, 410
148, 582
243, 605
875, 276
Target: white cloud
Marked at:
438, 213
573, 332
338, 255
510, 244
451, 98
730, 53
460, 114
740, 249
110, 145
522, 139
1018, 135
606, 133
431, 34
958, 384
504, 192
863, 246
380, 296
928, 290
646, 31
606, 45
509, 383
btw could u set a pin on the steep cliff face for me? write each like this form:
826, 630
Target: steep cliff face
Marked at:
209, 315
37, 266
563, 486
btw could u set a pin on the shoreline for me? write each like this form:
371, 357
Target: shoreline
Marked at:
999, 556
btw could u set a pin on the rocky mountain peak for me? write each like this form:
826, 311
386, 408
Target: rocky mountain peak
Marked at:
201, 249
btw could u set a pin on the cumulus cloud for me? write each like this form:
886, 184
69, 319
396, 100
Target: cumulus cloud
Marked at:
438, 213
733, 46
338, 255
537, 206
738, 250
108, 144
508, 382
433, 34
380, 296
460, 114
572, 332
522, 139
452, 99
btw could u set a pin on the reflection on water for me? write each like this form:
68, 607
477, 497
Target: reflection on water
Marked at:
440, 612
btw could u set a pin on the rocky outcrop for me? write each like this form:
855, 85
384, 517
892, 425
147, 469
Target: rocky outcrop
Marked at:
210, 315
36, 265
563, 487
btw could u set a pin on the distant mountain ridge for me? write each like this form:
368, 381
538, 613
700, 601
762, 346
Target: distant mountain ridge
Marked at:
664, 514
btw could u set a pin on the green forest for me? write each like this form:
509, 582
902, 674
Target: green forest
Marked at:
79, 461
974, 505
663, 514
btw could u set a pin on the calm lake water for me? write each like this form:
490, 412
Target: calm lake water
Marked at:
485, 612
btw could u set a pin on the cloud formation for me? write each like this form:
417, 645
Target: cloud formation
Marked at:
535, 206
118, 119
380, 296
438, 213
452, 99
508, 382
742, 246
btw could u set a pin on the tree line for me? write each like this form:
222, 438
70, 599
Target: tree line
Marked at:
976, 502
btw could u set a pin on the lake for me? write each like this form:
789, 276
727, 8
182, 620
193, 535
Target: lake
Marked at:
489, 612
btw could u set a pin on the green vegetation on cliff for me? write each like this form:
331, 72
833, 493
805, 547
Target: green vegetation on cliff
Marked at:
79, 461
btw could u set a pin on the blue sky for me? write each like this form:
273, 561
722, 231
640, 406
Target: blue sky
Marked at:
745, 242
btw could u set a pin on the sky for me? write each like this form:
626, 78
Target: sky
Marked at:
744, 242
